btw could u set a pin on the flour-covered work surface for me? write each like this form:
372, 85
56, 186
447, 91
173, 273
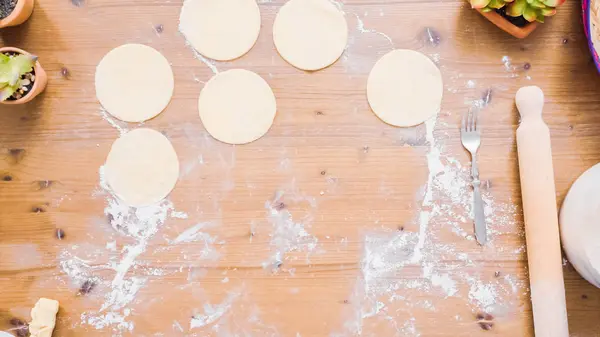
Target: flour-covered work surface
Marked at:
322, 220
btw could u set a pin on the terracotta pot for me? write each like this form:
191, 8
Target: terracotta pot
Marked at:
20, 14
41, 79
508, 27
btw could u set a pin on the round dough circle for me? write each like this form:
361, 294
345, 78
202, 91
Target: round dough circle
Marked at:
237, 106
405, 88
310, 34
220, 29
134, 82
142, 167
580, 225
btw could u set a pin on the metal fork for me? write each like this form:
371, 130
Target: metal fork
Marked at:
471, 139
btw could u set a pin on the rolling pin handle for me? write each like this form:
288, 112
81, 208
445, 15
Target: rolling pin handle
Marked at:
530, 101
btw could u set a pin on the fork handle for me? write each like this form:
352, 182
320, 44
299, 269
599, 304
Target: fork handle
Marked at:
480, 226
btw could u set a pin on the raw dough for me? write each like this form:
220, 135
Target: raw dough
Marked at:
220, 29
134, 82
43, 318
237, 106
580, 225
405, 88
310, 34
142, 167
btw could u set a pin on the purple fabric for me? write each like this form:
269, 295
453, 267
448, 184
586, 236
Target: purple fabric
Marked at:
585, 9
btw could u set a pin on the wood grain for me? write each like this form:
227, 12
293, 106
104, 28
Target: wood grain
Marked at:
365, 177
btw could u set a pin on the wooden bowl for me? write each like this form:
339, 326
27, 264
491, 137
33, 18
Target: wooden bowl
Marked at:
591, 25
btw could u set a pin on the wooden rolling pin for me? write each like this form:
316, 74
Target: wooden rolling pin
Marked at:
541, 217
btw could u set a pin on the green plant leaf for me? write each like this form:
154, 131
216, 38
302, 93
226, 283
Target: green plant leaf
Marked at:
548, 11
486, 10
537, 4
479, 3
6, 92
5, 74
540, 19
530, 14
18, 65
4, 58
22, 64
553, 3
516, 8
497, 4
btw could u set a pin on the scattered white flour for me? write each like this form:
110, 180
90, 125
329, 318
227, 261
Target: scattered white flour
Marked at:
482, 294
212, 313
115, 123
139, 225
360, 25
507, 63
195, 234
288, 235
384, 298
509, 67
209, 63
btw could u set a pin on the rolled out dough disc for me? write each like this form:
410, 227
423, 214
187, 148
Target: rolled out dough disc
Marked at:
310, 34
580, 225
405, 88
134, 82
237, 106
142, 167
220, 29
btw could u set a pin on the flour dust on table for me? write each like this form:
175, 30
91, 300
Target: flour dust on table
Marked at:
399, 267
109, 268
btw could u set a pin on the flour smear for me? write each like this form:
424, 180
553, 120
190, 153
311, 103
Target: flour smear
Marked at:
404, 272
138, 226
289, 235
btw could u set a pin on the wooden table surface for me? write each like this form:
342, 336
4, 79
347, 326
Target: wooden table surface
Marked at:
333, 224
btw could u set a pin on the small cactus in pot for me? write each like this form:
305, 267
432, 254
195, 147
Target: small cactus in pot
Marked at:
22, 77
14, 70
533, 10
517, 17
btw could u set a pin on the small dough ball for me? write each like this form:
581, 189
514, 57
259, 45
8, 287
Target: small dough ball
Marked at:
134, 82
580, 225
310, 34
237, 106
43, 318
405, 88
220, 29
142, 167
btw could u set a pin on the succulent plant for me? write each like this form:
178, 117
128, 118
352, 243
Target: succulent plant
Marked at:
533, 10
489, 5
12, 68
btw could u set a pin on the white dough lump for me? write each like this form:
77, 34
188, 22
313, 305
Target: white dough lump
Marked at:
142, 167
134, 82
580, 225
310, 34
405, 88
220, 29
237, 106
